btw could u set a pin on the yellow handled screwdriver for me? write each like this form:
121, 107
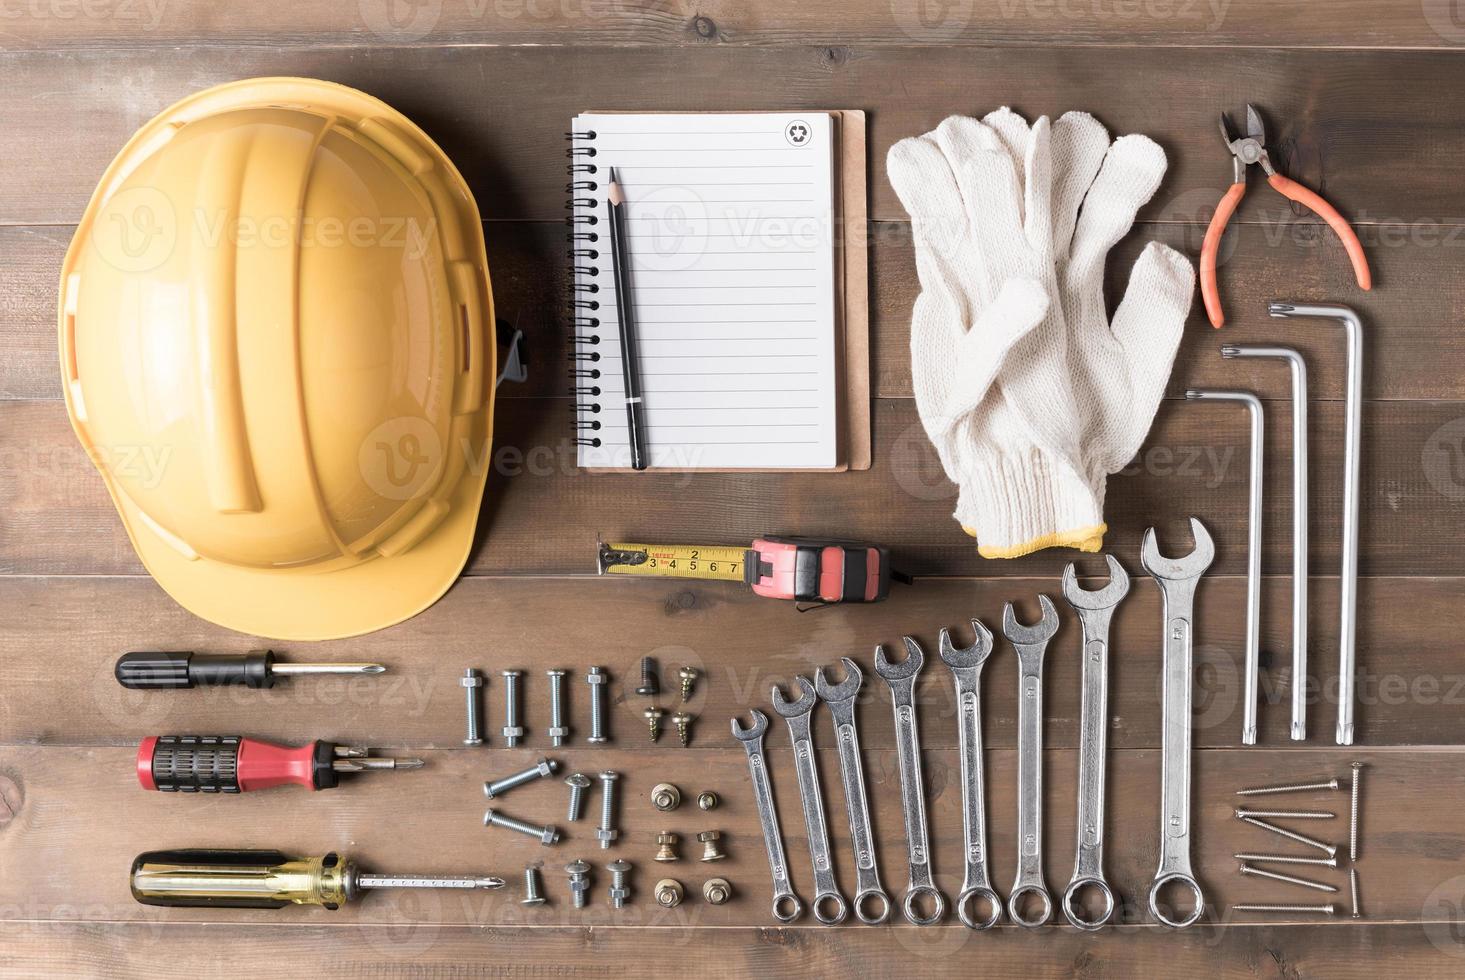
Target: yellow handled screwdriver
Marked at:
261, 879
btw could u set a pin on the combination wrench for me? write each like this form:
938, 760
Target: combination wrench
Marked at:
966, 670
1177, 579
1030, 642
806, 766
841, 700
786, 905
902, 680
1095, 609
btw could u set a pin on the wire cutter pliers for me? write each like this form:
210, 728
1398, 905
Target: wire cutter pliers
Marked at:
1246, 150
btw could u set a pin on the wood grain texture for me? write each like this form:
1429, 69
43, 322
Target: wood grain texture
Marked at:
57, 792
1347, 124
1416, 349
319, 946
541, 513
635, 23
1411, 686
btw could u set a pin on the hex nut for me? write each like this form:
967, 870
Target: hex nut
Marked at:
666, 846
716, 891
558, 731
668, 893
552, 836
665, 797
475, 680
546, 766
596, 678
516, 731
707, 800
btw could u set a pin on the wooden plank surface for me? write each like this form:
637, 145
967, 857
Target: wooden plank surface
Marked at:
160, 23
1411, 685
1344, 123
1351, 113
543, 514
356, 952
1416, 349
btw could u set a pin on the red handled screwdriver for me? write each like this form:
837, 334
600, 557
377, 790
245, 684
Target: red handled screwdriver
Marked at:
230, 764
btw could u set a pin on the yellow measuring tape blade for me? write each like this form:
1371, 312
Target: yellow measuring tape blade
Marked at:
718, 562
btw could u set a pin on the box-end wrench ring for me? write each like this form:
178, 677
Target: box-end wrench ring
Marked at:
829, 905
841, 700
966, 670
901, 678
1177, 579
786, 905
1030, 642
1095, 609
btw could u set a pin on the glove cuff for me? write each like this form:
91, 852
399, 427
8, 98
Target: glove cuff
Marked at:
1017, 503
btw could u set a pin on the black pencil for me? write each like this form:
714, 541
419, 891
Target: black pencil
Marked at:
615, 202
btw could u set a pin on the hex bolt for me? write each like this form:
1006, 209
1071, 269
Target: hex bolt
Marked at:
707, 800
668, 893
547, 835
1353, 892
716, 891
539, 770
665, 797
578, 783
666, 846
683, 722
606, 832
1242, 814
513, 731
1247, 869
579, 873
1353, 812
619, 892
1326, 862
532, 895
1287, 788
1329, 909
472, 682
688, 677
650, 678
558, 730
597, 681
653, 722
1331, 850
710, 850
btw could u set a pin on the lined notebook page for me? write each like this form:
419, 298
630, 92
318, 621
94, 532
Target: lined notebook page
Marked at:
730, 222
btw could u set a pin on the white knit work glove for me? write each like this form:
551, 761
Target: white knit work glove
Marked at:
1029, 396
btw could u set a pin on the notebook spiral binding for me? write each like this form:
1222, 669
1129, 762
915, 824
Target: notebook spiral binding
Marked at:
584, 252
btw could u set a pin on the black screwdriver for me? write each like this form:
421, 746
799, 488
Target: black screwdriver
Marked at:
258, 668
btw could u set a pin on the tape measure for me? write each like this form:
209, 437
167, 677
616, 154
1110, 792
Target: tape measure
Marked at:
801, 569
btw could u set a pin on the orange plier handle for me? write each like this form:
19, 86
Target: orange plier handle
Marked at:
1291, 190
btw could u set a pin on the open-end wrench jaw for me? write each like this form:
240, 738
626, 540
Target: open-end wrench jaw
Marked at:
909, 667
808, 697
1094, 599
960, 658
753, 734
1191, 566
847, 689
1030, 635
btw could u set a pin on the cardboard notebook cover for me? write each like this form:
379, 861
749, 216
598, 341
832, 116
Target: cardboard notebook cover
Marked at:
852, 302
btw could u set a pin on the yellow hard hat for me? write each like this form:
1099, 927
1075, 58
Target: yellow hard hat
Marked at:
276, 348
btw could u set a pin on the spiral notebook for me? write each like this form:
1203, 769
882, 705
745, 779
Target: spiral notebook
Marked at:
747, 266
